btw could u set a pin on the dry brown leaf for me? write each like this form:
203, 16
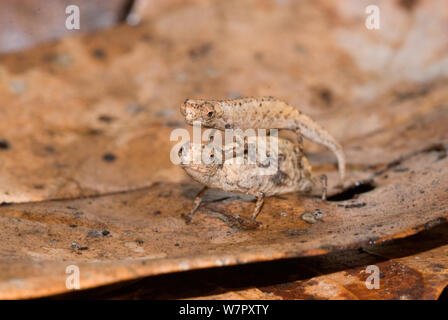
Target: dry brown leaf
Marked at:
94, 122
408, 273
410, 268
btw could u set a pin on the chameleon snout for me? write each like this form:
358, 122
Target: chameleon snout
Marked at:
187, 110
183, 108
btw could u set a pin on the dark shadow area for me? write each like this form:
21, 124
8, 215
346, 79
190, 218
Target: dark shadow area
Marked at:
354, 191
444, 295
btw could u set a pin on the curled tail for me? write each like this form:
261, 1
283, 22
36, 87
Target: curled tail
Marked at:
312, 131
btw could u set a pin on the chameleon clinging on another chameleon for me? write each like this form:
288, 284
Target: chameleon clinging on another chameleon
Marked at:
260, 113
292, 171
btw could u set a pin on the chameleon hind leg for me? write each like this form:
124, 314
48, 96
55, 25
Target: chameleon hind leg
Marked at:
252, 223
323, 180
197, 202
307, 185
307, 182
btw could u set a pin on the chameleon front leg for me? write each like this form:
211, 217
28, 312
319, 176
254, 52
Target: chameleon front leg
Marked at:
197, 202
258, 206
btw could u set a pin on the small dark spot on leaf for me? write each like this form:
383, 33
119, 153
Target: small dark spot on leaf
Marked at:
4, 144
258, 55
49, 149
49, 57
105, 118
134, 108
94, 132
99, 53
174, 124
408, 4
109, 157
326, 96
147, 37
200, 51
77, 213
165, 194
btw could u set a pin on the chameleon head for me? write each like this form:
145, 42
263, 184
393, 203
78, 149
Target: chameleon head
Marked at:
204, 111
198, 160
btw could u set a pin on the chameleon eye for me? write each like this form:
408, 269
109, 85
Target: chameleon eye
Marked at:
210, 114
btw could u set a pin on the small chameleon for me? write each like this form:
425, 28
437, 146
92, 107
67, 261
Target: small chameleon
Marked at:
260, 113
291, 174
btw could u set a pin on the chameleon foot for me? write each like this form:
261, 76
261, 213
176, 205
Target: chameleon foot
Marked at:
187, 217
323, 180
249, 224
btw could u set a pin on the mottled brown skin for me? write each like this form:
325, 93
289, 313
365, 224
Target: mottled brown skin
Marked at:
292, 175
260, 113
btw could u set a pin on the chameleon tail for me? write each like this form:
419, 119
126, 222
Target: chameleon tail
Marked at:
311, 130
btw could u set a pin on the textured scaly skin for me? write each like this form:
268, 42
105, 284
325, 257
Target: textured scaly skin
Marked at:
260, 113
293, 174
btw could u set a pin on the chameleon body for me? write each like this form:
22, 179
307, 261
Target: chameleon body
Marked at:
260, 113
292, 172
